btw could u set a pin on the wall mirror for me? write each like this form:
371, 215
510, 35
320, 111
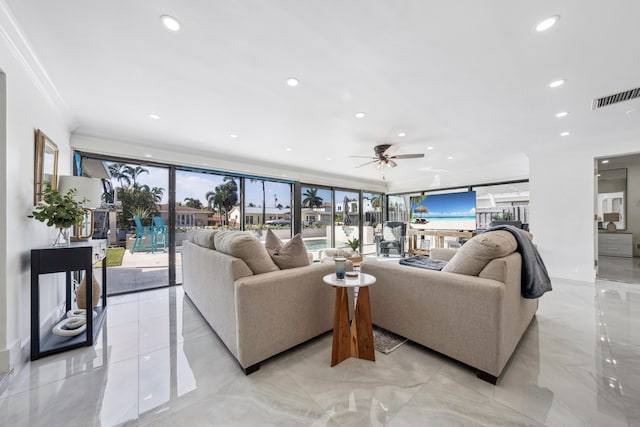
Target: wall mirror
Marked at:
612, 199
46, 164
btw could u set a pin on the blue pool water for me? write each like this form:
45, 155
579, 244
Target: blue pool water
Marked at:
313, 245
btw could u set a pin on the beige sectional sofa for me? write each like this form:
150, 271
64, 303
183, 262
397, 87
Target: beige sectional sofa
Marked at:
475, 314
257, 309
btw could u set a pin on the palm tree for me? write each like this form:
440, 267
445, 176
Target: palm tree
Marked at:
376, 202
311, 198
134, 173
119, 173
225, 196
190, 202
210, 196
157, 192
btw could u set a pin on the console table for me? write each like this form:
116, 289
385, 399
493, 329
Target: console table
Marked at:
78, 256
416, 237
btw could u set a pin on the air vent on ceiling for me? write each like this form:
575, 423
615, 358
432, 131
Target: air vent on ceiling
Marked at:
614, 99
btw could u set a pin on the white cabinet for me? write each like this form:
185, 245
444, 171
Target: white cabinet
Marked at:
615, 244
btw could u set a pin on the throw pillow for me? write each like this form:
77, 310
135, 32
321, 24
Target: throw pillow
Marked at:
246, 247
288, 255
204, 238
474, 255
271, 241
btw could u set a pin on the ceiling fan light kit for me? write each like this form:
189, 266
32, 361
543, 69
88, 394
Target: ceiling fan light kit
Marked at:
384, 159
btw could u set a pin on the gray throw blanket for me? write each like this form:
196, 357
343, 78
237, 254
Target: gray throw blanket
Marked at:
535, 279
423, 261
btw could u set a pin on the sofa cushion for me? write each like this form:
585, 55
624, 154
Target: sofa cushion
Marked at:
288, 255
474, 255
202, 237
246, 247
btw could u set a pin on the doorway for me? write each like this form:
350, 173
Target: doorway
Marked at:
617, 212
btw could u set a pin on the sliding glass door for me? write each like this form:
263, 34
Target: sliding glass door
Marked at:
347, 218
133, 218
267, 204
204, 200
316, 216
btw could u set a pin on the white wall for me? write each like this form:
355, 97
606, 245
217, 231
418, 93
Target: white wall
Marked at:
31, 102
562, 188
561, 212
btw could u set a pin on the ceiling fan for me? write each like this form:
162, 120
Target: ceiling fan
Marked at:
384, 157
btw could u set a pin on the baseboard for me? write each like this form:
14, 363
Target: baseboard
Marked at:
10, 359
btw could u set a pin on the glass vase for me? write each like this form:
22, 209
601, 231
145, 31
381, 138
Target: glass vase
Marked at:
63, 238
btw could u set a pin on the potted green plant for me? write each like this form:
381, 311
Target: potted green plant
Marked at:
61, 211
354, 244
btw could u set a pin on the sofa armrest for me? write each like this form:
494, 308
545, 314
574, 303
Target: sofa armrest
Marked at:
280, 309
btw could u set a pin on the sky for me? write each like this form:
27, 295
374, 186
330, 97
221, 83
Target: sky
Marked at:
197, 184
451, 204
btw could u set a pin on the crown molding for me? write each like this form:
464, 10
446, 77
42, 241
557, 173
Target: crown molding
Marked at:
18, 45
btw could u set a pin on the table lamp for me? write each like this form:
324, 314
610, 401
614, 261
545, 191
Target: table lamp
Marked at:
611, 217
86, 188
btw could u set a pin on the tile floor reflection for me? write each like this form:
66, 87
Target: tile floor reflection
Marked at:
619, 269
157, 362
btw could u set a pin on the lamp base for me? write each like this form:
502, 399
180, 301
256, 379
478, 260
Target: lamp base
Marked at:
84, 230
611, 227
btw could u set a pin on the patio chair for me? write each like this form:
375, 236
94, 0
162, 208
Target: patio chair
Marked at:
160, 231
141, 233
392, 239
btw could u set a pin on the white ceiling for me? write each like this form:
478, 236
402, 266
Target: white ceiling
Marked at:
468, 78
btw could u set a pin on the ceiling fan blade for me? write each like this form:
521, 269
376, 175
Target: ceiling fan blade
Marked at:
365, 164
362, 157
407, 156
392, 163
389, 151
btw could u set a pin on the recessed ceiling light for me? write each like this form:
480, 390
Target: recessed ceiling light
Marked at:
604, 162
429, 148
565, 133
154, 116
233, 135
630, 111
450, 158
360, 115
148, 156
402, 134
562, 114
287, 149
547, 23
557, 83
293, 82
328, 158
170, 22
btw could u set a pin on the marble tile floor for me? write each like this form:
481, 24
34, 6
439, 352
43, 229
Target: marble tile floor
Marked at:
619, 269
158, 363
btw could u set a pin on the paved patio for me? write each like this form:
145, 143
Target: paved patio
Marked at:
142, 270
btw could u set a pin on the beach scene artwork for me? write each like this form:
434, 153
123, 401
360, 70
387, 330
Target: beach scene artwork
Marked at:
451, 211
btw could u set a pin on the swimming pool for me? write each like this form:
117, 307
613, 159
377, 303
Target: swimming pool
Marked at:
316, 244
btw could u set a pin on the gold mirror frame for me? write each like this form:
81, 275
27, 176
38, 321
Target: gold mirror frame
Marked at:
46, 165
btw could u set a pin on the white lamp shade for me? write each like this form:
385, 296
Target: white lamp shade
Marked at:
87, 188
